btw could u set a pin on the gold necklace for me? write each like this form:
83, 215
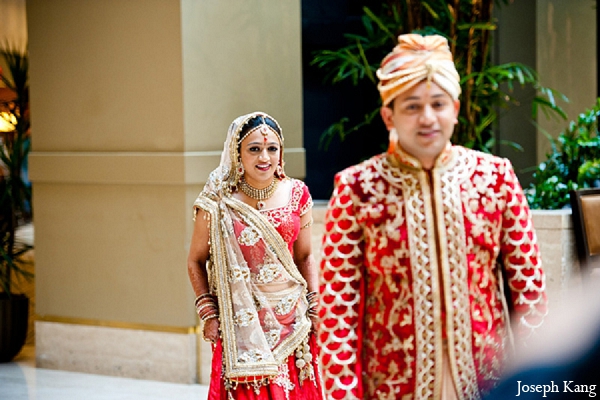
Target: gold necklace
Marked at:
258, 194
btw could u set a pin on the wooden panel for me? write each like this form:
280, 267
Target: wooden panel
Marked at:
590, 207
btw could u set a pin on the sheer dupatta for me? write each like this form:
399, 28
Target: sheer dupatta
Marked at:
261, 294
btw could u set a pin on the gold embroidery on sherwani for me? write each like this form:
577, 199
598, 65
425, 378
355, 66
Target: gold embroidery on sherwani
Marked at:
420, 196
396, 308
455, 278
420, 225
380, 236
419, 215
478, 193
525, 248
344, 272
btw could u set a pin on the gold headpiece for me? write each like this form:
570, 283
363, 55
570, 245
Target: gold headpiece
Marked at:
264, 128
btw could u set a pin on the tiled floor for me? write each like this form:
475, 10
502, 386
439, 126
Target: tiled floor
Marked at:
20, 380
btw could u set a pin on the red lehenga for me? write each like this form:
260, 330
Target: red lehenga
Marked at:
240, 371
410, 288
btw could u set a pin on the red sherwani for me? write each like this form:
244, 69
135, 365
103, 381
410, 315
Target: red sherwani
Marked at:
409, 272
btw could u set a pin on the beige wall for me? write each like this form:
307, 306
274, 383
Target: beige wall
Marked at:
108, 74
240, 56
112, 253
566, 58
130, 104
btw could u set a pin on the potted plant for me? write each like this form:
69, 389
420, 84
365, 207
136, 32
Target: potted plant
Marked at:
15, 203
468, 25
572, 163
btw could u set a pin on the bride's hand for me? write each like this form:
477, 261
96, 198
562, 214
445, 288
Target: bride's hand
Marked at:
314, 323
211, 330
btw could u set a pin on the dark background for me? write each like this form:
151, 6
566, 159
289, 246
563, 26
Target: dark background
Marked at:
323, 26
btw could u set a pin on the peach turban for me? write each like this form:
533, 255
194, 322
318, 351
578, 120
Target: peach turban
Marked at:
414, 59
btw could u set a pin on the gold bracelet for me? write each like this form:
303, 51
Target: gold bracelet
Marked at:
306, 225
210, 316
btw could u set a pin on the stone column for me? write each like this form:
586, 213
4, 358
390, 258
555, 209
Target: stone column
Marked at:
130, 104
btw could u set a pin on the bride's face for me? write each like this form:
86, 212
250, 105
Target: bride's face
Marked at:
259, 153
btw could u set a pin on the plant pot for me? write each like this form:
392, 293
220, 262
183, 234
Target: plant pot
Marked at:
14, 314
556, 240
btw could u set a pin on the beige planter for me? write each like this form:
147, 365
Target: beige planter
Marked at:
556, 238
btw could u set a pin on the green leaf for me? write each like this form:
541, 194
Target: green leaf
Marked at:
513, 145
487, 88
479, 26
430, 10
367, 67
377, 20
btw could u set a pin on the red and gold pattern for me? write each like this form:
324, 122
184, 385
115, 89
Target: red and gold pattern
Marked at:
409, 268
293, 381
286, 219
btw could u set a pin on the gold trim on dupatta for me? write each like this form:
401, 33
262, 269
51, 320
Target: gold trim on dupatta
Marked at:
220, 282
